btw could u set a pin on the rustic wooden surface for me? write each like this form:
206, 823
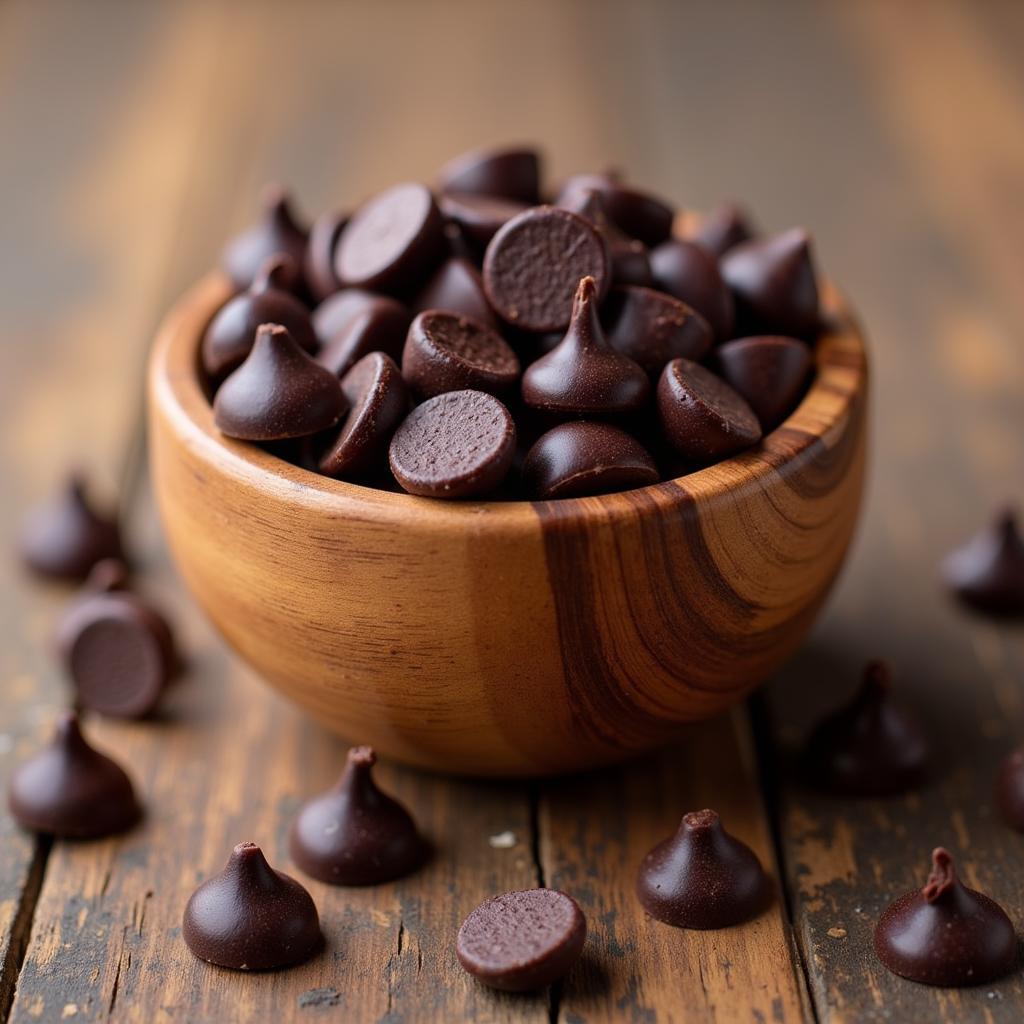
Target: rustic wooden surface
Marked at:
136, 137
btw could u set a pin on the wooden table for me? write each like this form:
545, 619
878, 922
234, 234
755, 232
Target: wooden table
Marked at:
135, 139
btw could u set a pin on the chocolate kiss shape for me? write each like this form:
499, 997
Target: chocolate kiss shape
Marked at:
639, 214
354, 834
869, 747
276, 232
71, 790
583, 375
946, 934
278, 392
251, 917
988, 571
66, 537
1009, 790
508, 173
353, 322
769, 372
702, 877
722, 229
630, 263
691, 274
457, 287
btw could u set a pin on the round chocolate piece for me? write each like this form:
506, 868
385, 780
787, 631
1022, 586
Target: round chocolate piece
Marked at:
580, 458
393, 241
71, 790
1009, 790
773, 283
583, 375
319, 261
457, 445
354, 834
630, 263
228, 339
946, 934
639, 214
701, 416
66, 537
251, 917
506, 173
353, 322
769, 372
535, 262
691, 274
522, 941
479, 217
448, 352
457, 287
276, 232
988, 571
721, 230
870, 747
278, 392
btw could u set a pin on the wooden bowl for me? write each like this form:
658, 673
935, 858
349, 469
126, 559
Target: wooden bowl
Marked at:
510, 638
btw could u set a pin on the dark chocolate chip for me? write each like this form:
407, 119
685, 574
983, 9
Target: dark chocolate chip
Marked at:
522, 941
690, 273
251, 917
457, 287
630, 262
506, 173
702, 417
276, 232
946, 934
106, 576
722, 229
702, 877
639, 214
278, 392
319, 261
1009, 790
769, 372
988, 571
869, 747
581, 458
353, 322
457, 445
535, 262
71, 790
354, 834
479, 217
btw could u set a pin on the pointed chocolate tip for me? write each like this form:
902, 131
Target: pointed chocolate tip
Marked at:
943, 875
68, 727
276, 273
585, 293
701, 821
274, 199
362, 757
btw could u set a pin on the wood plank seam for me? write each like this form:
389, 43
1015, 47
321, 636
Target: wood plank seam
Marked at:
10, 969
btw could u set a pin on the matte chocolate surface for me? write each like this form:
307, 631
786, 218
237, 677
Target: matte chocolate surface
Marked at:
769, 372
354, 322
987, 573
691, 274
630, 262
277, 231
457, 287
318, 265
722, 229
506, 173
479, 216
639, 214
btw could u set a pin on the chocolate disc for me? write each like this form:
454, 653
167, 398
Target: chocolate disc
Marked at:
522, 941
353, 322
721, 230
457, 287
506, 173
354, 834
1009, 790
639, 214
276, 232
319, 261
251, 917
535, 263
691, 274
701, 416
457, 445
988, 571
946, 934
769, 372
479, 216
630, 263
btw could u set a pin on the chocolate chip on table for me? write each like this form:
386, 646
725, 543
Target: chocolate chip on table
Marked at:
479, 216
630, 262
393, 241
71, 790
870, 747
987, 573
278, 392
691, 274
456, 287
251, 917
721, 230
1009, 789
535, 262
354, 834
770, 372
639, 214
701, 416
946, 934
456, 445
354, 322
318, 265
582, 458
229, 337
277, 231
522, 941
504, 173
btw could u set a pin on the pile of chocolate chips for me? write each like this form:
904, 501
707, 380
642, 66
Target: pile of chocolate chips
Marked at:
479, 341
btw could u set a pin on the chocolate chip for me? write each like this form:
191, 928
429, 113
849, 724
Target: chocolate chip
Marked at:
630, 263
276, 232
769, 372
701, 416
946, 934
393, 241
988, 571
653, 328
774, 286
229, 337
457, 445
354, 322
722, 229
71, 790
456, 287
522, 941
278, 392
702, 877
354, 834
251, 917
583, 375
581, 458
479, 217
106, 576
691, 274
65, 537
319, 261
639, 214
869, 747
535, 262
1009, 790
506, 173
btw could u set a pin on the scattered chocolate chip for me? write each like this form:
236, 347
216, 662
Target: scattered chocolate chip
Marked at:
630, 263
701, 416
1009, 789
522, 941
251, 917
276, 232
535, 262
319, 261
639, 214
946, 934
988, 571
721, 230
479, 216
773, 283
457, 445
702, 877
353, 322
457, 287
71, 790
354, 834
506, 173
278, 392
691, 274
769, 372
